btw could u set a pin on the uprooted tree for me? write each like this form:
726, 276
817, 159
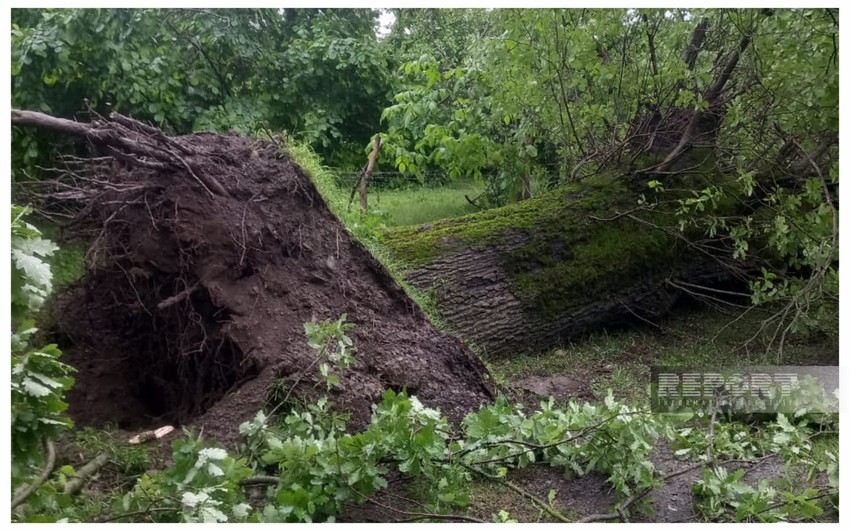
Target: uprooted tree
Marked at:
208, 254
684, 203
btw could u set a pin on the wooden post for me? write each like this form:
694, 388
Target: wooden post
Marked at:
525, 179
364, 180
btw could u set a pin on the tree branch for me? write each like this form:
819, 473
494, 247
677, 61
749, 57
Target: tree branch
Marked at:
24, 494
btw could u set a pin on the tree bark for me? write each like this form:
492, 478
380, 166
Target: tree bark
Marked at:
529, 275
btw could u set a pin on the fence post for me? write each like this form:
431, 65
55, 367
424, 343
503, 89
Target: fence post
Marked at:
525, 179
364, 180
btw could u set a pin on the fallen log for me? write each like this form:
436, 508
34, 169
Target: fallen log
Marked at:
528, 275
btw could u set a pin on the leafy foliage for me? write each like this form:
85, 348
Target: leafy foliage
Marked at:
39, 380
188, 70
31, 276
333, 344
201, 487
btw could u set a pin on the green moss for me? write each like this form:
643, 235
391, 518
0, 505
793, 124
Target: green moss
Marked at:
562, 209
574, 246
609, 258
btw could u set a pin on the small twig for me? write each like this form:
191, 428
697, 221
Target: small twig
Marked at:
533, 447
663, 329
298, 381
413, 515
543, 505
824, 493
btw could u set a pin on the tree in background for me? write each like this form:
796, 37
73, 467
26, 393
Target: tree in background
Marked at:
317, 73
724, 119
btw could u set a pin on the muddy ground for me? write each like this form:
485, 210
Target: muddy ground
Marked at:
194, 311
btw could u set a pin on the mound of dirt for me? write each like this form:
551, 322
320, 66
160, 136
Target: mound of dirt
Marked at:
209, 254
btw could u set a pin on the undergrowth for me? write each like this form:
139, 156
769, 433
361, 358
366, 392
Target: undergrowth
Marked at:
303, 466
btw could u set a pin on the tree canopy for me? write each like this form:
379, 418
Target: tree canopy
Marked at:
315, 72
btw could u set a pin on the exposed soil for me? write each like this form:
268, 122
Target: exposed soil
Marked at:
196, 303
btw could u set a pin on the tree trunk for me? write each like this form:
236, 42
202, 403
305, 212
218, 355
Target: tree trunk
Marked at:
529, 275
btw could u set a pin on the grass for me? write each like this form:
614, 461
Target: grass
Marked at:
421, 205
127, 460
691, 336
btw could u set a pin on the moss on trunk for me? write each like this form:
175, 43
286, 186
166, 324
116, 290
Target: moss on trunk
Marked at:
532, 273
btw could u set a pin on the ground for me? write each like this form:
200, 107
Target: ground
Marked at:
584, 369
620, 360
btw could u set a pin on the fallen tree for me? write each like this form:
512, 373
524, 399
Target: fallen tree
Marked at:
606, 248
593, 255
208, 254
553, 267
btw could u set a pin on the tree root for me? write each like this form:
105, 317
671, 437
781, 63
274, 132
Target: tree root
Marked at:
127, 140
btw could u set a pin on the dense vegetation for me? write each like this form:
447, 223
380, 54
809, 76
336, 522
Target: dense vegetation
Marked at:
720, 127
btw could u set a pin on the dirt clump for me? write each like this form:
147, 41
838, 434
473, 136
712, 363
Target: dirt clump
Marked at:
195, 305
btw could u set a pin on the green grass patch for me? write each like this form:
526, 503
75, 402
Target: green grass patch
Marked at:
419, 205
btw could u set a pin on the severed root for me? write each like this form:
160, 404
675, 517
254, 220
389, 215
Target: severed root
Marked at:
150, 435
